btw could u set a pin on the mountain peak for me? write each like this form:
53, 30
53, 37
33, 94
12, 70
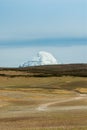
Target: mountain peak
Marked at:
42, 58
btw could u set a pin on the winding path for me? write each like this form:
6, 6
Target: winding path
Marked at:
44, 107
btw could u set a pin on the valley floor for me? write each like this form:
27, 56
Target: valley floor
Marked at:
47, 103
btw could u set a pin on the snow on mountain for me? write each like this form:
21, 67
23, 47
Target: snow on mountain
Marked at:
42, 58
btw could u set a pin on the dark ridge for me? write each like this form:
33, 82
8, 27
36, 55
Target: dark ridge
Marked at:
79, 70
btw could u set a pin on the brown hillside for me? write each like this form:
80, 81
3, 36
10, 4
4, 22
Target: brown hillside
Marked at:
79, 70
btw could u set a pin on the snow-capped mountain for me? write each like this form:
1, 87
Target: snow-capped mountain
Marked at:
42, 58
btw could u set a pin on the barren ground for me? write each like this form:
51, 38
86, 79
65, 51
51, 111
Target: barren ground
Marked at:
43, 103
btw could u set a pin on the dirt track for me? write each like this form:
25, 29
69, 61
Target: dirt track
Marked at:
44, 107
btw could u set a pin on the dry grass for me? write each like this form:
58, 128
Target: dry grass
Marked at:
20, 96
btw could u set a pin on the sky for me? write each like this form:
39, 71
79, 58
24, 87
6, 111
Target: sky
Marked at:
56, 26
28, 19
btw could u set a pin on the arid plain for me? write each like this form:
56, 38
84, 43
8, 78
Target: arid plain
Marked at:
32, 101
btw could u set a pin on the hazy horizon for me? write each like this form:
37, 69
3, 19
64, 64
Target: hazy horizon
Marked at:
13, 54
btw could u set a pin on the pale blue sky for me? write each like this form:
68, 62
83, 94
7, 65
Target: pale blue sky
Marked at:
27, 19
56, 26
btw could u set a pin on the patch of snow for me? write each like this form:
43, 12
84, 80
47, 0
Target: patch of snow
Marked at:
42, 58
